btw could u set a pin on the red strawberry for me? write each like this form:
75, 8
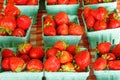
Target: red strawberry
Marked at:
71, 49
34, 65
73, 2
24, 48
75, 29
68, 67
21, 2
104, 47
65, 57
32, 2
116, 51
51, 1
49, 31
100, 25
100, 64
52, 64
86, 12
3, 32
51, 52
7, 53
93, 1
111, 56
24, 22
49, 22
90, 21
36, 53
25, 57
114, 65
60, 45
62, 1
82, 59
18, 32
113, 15
114, 23
62, 29
17, 64
61, 18
5, 64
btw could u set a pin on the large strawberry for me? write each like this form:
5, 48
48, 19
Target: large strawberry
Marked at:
62, 29
34, 65
52, 64
24, 22
49, 31
61, 18
82, 59
24, 48
17, 64
116, 51
5, 64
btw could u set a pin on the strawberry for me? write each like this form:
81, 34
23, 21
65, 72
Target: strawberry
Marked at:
60, 45
116, 51
62, 1
5, 63
49, 31
34, 65
18, 32
24, 22
114, 65
113, 15
62, 29
100, 25
86, 11
25, 57
65, 57
114, 23
100, 64
36, 53
49, 22
71, 49
7, 53
17, 64
73, 2
68, 67
24, 48
51, 2
32, 2
90, 21
21, 2
82, 59
3, 32
75, 29
111, 57
104, 47
52, 64
51, 52
93, 1
61, 18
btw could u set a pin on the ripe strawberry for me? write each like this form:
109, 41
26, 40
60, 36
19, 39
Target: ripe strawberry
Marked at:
73, 2
21, 2
104, 47
32, 2
49, 31
71, 49
51, 2
114, 23
100, 64
64, 57
90, 21
18, 32
49, 22
25, 57
3, 32
75, 29
62, 29
93, 1
114, 65
111, 57
5, 64
116, 51
61, 18
100, 25
82, 59
24, 48
34, 65
36, 53
17, 64
7, 53
86, 11
51, 52
24, 22
113, 15
62, 1
68, 67
60, 45
52, 64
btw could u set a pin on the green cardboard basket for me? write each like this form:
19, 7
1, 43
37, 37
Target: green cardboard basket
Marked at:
70, 39
13, 41
70, 9
95, 37
109, 5
30, 10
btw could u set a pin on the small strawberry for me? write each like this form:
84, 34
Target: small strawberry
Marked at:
51, 2
114, 65
49, 21
73, 2
111, 57
71, 49
25, 57
62, 29
93, 1
86, 12
116, 51
5, 63
114, 23
34, 65
18, 32
60, 45
49, 31
52, 64
24, 48
62, 1
90, 21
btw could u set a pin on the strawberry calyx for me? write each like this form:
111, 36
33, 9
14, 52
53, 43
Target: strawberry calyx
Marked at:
19, 69
2, 31
9, 32
105, 56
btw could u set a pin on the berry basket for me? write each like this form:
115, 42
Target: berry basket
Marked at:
30, 10
70, 39
95, 37
108, 5
68, 8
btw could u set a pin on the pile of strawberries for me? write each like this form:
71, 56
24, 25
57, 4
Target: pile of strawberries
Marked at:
26, 58
12, 23
59, 2
60, 24
108, 56
96, 1
66, 58
101, 19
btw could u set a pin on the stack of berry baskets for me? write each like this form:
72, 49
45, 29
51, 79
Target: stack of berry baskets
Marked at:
28, 7
14, 27
101, 25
